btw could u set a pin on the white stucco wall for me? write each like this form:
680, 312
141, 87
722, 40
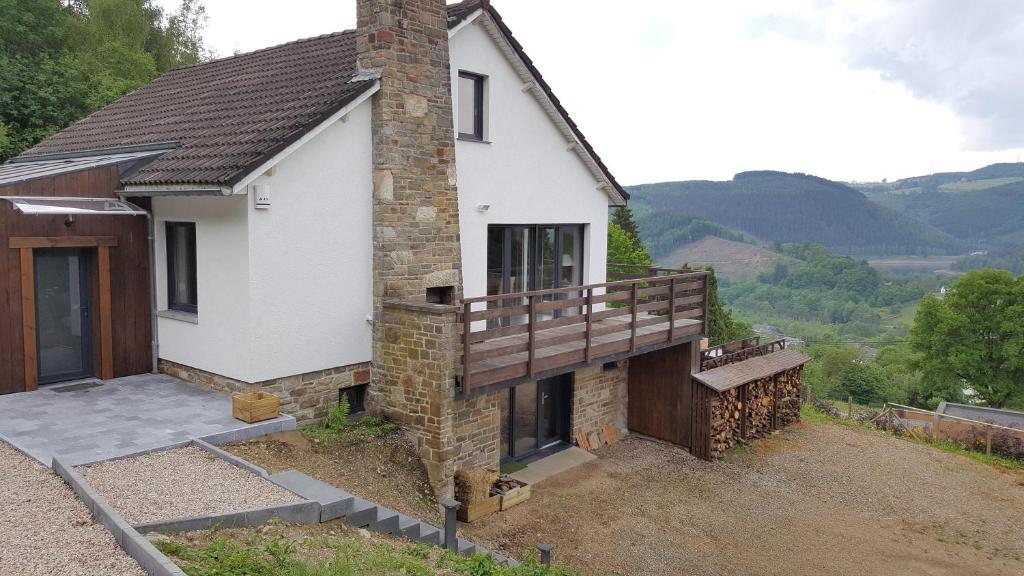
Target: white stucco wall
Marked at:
525, 171
312, 255
219, 341
286, 290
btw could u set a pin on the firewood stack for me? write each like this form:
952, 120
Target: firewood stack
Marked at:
789, 393
725, 421
759, 408
778, 395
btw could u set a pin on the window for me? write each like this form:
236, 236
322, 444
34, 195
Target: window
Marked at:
181, 267
524, 258
356, 396
471, 106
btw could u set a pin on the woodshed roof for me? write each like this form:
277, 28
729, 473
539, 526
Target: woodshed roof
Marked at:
739, 373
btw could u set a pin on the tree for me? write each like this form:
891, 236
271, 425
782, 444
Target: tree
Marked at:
722, 327
59, 63
625, 249
972, 338
623, 217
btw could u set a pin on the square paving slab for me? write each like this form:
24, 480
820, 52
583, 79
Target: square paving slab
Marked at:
86, 423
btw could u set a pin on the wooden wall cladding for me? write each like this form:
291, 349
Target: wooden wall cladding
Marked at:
129, 272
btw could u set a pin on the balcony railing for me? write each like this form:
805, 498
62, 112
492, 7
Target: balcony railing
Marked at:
512, 338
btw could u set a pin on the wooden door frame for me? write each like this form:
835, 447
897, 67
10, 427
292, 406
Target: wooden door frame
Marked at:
27, 245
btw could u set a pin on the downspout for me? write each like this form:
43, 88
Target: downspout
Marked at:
154, 330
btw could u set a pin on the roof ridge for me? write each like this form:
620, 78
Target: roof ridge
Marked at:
261, 50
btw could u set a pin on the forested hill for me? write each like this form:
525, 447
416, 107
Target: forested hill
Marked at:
984, 207
782, 207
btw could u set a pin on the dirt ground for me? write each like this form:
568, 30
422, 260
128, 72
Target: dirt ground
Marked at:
815, 499
384, 470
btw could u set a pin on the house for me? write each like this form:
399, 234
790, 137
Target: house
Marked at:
403, 213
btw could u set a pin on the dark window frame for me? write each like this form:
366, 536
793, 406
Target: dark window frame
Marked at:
169, 235
478, 107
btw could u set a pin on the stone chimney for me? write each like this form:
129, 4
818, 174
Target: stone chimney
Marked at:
416, 205
417, 261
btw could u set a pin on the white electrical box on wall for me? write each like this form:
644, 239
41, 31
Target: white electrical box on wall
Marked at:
261, 195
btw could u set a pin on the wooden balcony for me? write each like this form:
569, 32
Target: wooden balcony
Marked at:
514, 338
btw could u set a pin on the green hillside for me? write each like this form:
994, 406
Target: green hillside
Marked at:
980, 179
778, 207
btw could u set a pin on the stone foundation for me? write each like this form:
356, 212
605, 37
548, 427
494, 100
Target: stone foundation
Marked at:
306, 397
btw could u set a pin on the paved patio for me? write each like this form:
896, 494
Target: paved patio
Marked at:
86, 423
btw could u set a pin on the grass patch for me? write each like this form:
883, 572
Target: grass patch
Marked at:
259, 556
809, 414
512, 467
340, 427
1004, 462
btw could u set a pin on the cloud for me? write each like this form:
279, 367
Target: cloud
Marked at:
965, 55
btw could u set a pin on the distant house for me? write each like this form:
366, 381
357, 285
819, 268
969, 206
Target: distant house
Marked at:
403, 213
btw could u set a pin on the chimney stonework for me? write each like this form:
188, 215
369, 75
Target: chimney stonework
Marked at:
416, 204
416, 232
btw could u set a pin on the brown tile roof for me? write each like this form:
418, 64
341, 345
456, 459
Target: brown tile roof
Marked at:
739, 373
229, 116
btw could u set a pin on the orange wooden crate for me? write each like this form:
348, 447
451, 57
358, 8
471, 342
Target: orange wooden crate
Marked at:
255, 407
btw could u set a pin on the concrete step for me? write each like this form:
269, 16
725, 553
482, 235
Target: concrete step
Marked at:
387, 522
334, 502
466, 548
362, 513
430, 535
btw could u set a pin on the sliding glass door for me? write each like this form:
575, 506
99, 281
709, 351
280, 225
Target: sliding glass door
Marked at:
525, 258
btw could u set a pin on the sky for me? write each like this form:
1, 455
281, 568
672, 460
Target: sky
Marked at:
852, 90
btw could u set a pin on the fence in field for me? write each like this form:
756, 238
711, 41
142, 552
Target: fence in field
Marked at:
937, 427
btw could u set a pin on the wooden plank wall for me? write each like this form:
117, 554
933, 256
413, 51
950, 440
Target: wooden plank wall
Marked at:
660, 394
129, 271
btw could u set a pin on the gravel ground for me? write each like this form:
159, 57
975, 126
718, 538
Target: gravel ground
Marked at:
816, 499
180, 483
46, 531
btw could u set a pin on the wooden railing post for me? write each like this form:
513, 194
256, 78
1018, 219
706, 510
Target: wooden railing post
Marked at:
466, 325
532, 320
632, 337
671, 309
707, 300
590, 323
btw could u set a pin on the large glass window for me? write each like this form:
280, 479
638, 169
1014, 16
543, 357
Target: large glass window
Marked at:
471, 106
182, 282
525, 258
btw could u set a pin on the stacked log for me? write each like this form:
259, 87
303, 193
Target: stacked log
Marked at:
726, 411
767, 404
790, 390
759, 408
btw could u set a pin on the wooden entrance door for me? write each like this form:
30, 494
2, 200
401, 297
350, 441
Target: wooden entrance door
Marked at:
660, 394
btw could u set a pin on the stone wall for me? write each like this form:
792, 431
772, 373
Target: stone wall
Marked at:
307, 397
477, 428
600, 397
415, 379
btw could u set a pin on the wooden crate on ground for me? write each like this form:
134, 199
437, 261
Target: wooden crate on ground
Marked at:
255, 407
474, 511
517, 495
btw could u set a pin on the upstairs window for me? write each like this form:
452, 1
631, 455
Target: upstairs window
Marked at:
471, 106
181, 267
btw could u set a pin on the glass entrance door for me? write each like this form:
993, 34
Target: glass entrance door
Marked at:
535, 416
63, 325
